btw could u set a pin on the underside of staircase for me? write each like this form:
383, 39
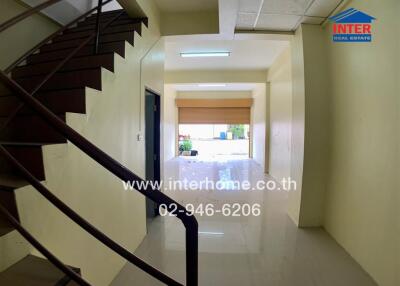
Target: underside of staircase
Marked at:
64, 92
35, 271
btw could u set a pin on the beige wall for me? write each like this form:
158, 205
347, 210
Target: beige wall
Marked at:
259, 123
15, 41
189, 23
280, 81
362, 202
297, 132
115, 116
215, 76
309, 129
170, 123
316, 131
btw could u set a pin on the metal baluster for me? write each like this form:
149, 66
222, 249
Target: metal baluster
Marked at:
96, 41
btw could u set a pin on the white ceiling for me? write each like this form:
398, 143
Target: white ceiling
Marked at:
187, 5
245, 55
282, 15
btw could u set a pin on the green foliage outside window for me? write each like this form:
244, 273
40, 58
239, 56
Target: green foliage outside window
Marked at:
237, 131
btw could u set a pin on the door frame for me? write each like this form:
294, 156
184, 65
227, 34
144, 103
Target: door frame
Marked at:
151, 207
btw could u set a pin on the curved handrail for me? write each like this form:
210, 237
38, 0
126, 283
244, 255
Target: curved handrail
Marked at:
118, 170
54, 260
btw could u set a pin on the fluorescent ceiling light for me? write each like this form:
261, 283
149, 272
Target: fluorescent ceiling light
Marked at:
205, 54
211, 85
211, 233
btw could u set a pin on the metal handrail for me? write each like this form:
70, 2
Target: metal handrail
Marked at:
114, 167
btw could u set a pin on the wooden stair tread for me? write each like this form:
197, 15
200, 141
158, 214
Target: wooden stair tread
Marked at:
32, 271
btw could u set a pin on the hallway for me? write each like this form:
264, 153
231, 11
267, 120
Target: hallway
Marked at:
245, 250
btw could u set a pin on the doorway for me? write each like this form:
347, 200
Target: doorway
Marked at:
152, 137
215, 141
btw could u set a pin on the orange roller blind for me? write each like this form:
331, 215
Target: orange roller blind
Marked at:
218, 115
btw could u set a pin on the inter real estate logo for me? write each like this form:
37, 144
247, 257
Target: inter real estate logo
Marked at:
352, 26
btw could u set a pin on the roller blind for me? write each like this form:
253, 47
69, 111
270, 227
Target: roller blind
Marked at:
214, 111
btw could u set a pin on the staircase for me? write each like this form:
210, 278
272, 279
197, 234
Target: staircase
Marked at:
49, 86
27, 133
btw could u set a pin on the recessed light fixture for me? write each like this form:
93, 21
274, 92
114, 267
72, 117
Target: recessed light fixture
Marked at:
211, 85
205, 54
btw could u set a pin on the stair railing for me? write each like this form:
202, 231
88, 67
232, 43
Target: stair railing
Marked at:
100, 157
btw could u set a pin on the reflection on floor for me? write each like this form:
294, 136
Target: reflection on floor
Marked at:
255, 250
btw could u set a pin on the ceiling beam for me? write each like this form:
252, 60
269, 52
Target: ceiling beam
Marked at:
228, 12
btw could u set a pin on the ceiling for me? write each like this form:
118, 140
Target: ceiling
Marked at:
245, 55
282, 15
226, 87
187, 5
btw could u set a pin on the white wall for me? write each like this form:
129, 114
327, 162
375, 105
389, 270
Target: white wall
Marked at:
280, 80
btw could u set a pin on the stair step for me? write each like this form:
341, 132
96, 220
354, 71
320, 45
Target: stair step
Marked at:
86, 62
75, 42
30, 128
29, 155
104, 37
34, 271
105, 48
107, 14
123, 34
120, 21
115, 23
105, 18
60, 101
114, 28
65, 80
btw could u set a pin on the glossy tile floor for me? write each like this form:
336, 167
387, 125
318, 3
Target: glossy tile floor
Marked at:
255, 250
